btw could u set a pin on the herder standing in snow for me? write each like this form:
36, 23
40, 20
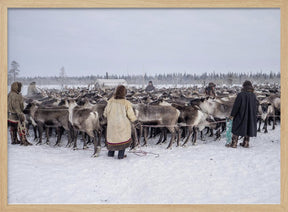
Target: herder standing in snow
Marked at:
119, 113
33, 92
210, 90
16, 116
150, 87
244, 116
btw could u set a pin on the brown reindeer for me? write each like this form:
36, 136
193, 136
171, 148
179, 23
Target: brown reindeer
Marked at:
193, 118
219, 109
50, 116
165, 116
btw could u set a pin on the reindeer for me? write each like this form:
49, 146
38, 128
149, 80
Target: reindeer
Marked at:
99, 108
53, 116
217, 108
167, 116
276, 102
193, 118
85, 120
266, 110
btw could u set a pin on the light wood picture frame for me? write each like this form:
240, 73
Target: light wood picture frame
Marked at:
6, 4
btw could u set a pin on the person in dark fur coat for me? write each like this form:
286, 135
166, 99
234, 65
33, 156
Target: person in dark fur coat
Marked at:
244, 116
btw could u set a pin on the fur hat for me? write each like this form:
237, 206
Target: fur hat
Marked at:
120, 92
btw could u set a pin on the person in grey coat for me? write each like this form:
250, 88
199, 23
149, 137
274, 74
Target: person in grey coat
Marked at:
150, 87
210, 90
33, 92
244, 116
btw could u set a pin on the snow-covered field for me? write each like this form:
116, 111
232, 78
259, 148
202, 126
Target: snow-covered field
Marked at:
203, 174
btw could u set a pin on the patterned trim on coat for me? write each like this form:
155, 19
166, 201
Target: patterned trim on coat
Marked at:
119, 146
121, 143
13, 121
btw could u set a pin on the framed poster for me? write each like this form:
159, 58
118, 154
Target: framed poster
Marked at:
120, 38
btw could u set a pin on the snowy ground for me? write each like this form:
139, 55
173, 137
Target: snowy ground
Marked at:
203, 174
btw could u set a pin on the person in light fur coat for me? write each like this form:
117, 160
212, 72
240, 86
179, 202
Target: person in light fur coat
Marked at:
119, 114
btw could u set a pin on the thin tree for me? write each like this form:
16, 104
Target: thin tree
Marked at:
14, 71
62, 76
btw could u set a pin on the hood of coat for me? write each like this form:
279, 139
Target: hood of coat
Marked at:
121, 92
247, 86
16, 87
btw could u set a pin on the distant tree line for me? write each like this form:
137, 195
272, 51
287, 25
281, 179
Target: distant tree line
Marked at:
171, 79
229, 78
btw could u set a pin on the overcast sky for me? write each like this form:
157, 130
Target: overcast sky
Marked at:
152, 41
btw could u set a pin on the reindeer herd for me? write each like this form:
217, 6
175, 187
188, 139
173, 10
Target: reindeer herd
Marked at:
181, 113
